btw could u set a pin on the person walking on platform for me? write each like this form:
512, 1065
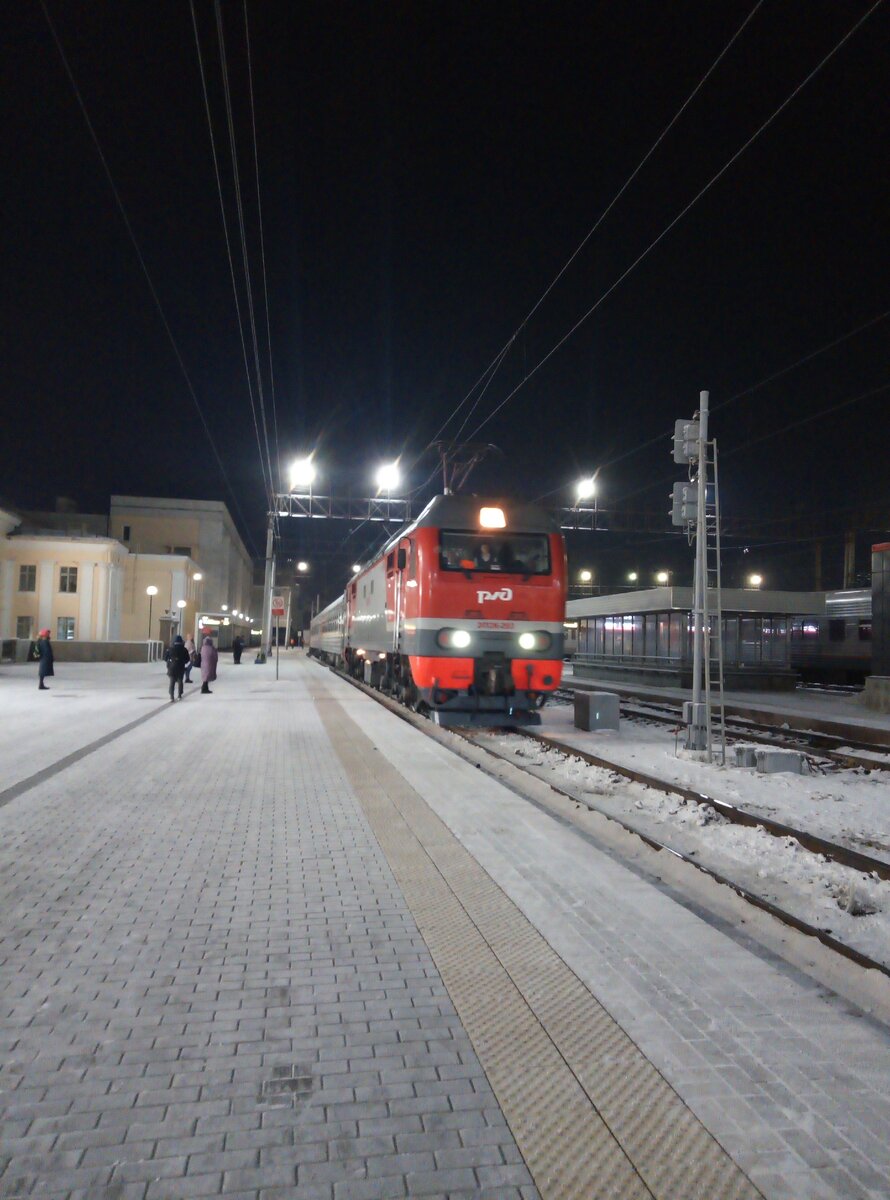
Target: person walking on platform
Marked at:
193, 661
45, 654
237, 649
177, 657
209, 658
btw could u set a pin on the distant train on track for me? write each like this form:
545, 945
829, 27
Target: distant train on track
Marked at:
460, 616
835, 647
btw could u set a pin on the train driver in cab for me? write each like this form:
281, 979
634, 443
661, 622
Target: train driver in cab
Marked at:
486, 559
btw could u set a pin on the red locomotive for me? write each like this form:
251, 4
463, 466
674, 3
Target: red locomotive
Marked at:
461, 614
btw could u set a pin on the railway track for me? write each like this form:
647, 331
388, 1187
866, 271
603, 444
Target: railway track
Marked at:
834, 852
825, 746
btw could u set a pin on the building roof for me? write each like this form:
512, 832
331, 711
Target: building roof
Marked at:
662, 599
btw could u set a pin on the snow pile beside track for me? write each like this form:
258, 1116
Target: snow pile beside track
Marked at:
853, 907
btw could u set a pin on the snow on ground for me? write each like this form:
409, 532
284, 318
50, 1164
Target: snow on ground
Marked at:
778, 869
847, 806
820, 704
85, 702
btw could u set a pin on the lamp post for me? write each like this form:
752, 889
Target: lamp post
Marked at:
151, 591
662, 577
180, 604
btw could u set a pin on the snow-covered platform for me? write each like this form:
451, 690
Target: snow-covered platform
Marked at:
277, 942
804, 708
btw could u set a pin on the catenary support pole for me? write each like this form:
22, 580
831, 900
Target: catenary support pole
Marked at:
268, 584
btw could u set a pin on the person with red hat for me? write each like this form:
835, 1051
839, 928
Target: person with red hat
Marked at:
45, 654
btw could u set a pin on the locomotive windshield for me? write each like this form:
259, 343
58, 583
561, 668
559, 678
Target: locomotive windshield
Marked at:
514, 553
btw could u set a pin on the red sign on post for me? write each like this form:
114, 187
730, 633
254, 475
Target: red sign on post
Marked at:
278, 606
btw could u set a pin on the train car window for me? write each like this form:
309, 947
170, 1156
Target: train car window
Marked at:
865, 631
515, 553
390, 561
412, 560
837, 629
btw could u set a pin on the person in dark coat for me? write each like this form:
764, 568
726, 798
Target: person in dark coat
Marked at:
177, 656
209, 657
45, 654
237, 648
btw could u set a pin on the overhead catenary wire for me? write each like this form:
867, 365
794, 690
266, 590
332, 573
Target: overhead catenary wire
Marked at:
244, 254
498, 358
807, 420
680, 215
259, 204
267, 482
145, 271
741, 395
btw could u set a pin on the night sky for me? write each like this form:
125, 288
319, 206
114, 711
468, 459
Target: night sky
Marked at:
426, 169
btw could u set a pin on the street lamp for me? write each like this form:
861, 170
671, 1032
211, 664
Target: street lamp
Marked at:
662, 577
151, 591
388, 477
355, 568
585, 576
198, 576
302, 566
302, 473
585, 489
632, 577
180, 604
754, 581
224, 607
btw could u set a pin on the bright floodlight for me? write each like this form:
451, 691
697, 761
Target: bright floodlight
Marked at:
151, 590
302, 566
755, 581
388, 477
632, 577
585, 576
302, 473
662, 577
180, 603
585, 489
492, 518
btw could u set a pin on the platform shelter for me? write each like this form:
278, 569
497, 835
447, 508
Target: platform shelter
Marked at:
646, 636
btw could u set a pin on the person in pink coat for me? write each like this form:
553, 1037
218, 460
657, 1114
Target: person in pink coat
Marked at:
209, 658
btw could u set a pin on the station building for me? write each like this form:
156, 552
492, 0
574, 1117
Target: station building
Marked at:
85, 577
646, 636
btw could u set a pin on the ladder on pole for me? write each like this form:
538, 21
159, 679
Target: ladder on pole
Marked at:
713, 665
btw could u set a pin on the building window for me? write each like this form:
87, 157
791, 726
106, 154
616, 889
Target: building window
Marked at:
68, 579
27, 579
185, 551
65, 629
23, 627
126, 535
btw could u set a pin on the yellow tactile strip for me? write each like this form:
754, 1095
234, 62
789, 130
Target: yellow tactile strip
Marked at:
591, 1115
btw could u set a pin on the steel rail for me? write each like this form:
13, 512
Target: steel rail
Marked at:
834, 851
826, 939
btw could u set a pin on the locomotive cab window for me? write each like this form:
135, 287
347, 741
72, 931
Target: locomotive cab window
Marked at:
514, 554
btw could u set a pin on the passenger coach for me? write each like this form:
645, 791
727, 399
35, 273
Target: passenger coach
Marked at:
460, 616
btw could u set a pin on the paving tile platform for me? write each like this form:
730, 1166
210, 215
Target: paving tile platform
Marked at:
277, 943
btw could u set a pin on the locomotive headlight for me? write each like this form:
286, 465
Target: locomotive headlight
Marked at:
535, 641
457, 639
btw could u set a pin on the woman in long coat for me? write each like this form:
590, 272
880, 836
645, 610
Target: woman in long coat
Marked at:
45, 654
209, 657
